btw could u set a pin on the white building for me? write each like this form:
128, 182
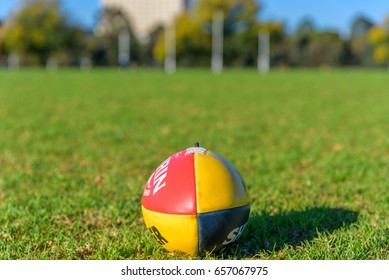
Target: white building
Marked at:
145, 15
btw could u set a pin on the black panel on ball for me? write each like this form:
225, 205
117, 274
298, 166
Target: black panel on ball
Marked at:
217, 229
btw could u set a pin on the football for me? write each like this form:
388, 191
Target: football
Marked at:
195, 202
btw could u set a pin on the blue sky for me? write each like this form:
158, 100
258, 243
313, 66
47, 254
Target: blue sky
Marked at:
329, 14
83, 12
326, 14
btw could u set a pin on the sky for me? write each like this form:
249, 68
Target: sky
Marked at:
82, 12
325, 14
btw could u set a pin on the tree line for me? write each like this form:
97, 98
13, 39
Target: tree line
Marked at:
40, 31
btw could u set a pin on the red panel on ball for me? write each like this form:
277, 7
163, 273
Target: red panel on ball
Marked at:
172, 188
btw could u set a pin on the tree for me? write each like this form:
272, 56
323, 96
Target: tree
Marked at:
356, 49
193, 45
301, 41
2, 45
240, 27
278, 43
360, 27
312, 48
112, 21
193, 33
325, 49
239, 15
379, 37
36, 31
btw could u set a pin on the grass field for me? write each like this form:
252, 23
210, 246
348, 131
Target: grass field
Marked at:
76, 149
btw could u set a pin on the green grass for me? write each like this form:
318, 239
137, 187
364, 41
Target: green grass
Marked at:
76, 149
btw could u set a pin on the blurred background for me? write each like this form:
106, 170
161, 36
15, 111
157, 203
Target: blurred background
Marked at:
77, 147
89, 33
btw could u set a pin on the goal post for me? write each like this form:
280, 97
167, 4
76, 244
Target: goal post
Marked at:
263, 52
170, 48
217, 41
124, 47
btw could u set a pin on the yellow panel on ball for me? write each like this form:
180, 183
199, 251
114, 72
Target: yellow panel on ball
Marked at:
173, 231
219, 185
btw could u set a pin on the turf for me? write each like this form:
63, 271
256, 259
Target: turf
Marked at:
76, 149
